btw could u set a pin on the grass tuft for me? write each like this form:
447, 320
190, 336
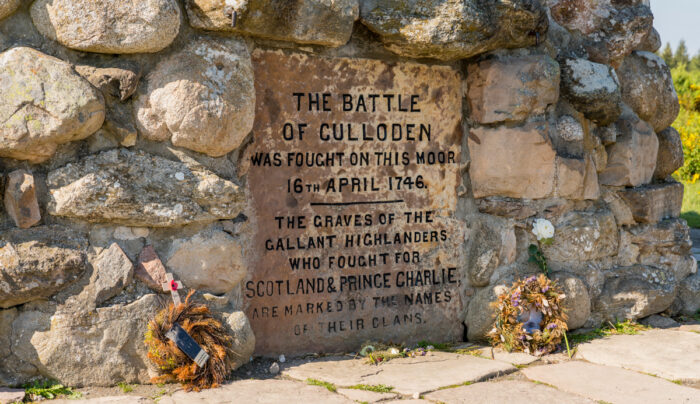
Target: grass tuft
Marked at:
48, 389
126, 388
627, 327
329, 386
380, 388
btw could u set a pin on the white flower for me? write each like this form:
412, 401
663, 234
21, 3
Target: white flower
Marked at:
394, 351
282, 359
543, 229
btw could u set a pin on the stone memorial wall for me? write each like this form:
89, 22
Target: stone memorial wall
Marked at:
326, 172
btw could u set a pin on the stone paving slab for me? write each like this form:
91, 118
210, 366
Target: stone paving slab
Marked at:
506, 391
407, 375
673, 355
611, 384
364, 396
514, 358
271, 391
107, 400
8, 395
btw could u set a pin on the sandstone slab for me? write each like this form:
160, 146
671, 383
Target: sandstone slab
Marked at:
45, 104
315, 22
592, 88
505, 207
670, 354
507, 391
112, 272
364, 396
200, 98
406, 375
610, 30
512, 88
453, 29
139, 189
259, 392
108, 26
611, 384
150, 270
654, 203
306, 266
515, 162
38, 262
209, 262
632, 158
647, 88
109, 400
20, 199
8, 7
514, 358
87, 348
583, 236
11, 396
670, 156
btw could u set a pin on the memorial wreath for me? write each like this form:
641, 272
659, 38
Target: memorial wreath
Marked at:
530, 317
174, 364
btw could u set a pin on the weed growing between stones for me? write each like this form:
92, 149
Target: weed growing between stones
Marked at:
125, 387
209, 333
627, 327
329, 386
380, 388
48, 390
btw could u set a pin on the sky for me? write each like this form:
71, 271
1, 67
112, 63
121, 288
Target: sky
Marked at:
676, 20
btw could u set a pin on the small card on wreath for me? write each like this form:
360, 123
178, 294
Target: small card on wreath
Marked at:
187, 344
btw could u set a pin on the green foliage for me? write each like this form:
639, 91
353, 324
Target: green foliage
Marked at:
329, 386
537, 257
691, 204
380, 388
126, 388
436, 345
48, 389
627, 327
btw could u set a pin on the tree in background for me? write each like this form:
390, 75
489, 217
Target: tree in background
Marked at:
680, 57
667, 55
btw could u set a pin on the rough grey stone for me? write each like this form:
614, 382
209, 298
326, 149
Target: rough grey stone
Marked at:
657, 321
139, 189
689, 294
583, 236
480, 314
38, 262
634, 292
652, 42
453, 29
108, 26
490, 244
112, 272
200, 98
243, 338
20, 199
670, 156
87, 348
44, 104
315, 22
593, 89
576, 302
647, 87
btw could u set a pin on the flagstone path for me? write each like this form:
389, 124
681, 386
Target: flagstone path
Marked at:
655, 366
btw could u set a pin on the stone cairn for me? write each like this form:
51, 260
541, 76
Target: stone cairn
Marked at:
124, 133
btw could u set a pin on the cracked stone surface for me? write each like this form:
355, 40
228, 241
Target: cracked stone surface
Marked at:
406, 375
508, 391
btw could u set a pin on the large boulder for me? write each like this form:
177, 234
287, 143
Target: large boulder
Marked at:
38, 262
201, 98
108, 26
87, 348
44, 104
576, 302
666, 244
211, 261
517, 162
583, 236
647, 88
490, 244
139, 189
512, 88
318, 22
670, 156
632, 158
610, 29
8, 7
653, 203
593, 89
634, 292
454, 29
